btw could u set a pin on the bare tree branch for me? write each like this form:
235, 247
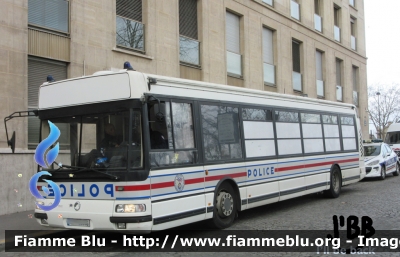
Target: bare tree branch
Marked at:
384, 106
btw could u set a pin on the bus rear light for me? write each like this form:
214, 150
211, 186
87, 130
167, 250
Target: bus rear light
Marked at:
130, 208
39, 188
120, 188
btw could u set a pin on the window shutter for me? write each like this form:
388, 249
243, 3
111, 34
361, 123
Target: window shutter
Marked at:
131, 9
52, 14
318, 59
232, 33
268, 54
188, 18
37, 74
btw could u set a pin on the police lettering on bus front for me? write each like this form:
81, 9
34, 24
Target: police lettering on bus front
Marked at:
85, 190
260, 172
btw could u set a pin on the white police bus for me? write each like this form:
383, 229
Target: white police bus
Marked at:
147, 152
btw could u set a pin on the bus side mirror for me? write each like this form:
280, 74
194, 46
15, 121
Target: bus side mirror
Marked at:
11, 142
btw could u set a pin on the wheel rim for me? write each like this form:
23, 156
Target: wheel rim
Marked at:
224, 204
383, 173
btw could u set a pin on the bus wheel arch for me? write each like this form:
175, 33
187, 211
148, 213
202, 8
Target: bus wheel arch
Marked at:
335, 184
226, 203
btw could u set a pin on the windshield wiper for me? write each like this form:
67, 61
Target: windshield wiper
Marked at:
82, 169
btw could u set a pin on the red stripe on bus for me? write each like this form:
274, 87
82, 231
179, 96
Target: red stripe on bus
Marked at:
134, 188
162, 185
194, 181
218, 177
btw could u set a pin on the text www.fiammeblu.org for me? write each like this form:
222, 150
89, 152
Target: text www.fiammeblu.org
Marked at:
230, 241
233, 241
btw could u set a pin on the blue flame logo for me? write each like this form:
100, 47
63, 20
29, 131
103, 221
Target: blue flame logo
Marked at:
45, 163
45, 144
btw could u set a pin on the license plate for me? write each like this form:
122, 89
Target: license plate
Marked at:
78, 223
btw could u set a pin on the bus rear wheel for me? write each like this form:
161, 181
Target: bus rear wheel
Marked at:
335, 184
225, 208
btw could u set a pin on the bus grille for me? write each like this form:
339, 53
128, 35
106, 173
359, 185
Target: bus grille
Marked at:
368, 170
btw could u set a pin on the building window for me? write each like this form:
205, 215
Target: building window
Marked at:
38, 70
352, 3
355, 86
339, 88
233, 56
295, 9
336, 19
49, 14
189, 46
317, 16
130, 29
268, 57
353, 33
268, 2
319, 74
297, 78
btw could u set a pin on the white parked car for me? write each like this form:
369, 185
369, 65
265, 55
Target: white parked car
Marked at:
380, 160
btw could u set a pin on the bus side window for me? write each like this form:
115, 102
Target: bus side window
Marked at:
221, 136
176, 135
157, 125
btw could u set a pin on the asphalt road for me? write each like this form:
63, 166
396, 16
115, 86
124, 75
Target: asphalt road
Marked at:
376, 199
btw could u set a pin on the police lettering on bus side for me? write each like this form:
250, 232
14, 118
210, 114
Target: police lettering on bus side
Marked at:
260, 172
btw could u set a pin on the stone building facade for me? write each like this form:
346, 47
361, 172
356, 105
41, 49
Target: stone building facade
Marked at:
313, 48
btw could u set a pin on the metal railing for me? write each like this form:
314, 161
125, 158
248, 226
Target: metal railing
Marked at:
297, 77
234, 63
336, 32
269, 73
317, 22
320, 88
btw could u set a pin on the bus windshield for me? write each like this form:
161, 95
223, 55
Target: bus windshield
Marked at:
102, 141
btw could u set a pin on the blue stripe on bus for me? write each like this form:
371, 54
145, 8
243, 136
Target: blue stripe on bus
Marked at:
178, 192
133, 198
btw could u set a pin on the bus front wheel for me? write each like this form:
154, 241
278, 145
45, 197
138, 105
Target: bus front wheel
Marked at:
225, 208
335, 184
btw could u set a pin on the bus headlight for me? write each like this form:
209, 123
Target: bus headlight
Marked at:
130, 208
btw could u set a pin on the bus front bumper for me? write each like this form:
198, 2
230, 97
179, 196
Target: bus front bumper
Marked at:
94, 215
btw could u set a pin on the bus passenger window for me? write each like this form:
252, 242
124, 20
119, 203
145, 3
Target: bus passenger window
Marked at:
221, 136
157, 125
171, 128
